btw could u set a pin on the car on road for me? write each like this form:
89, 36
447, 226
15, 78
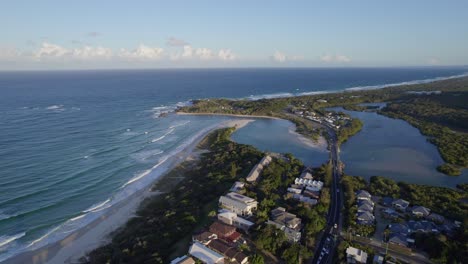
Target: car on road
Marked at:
335, 226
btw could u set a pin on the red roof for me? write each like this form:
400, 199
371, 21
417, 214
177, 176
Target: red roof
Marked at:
233, 237
222, 230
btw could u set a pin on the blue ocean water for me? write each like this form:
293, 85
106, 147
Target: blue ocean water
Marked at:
72, 143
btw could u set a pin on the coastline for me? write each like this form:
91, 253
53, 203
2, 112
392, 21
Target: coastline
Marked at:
99, 232
231, 115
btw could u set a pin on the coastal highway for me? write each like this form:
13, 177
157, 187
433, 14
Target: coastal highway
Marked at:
326, 246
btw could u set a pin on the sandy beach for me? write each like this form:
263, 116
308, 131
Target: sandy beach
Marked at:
97, 233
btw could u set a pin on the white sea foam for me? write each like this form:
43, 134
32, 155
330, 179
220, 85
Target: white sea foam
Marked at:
58, 108
99, 206
163, 136
143, 156
180, 124
422, 81
5, 240
165, 109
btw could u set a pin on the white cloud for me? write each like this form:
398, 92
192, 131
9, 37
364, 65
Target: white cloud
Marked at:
190, 53
279, 56
226, 55
204, 53
51, 50
142, 52
8, 53
335, 58
88, 52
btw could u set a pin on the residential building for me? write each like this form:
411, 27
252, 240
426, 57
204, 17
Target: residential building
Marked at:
400, 204
294, 190
238, 203
436, 218
355, 255
378, 259
304, 199
204, 237
237, 186
231, 218
231, 254
398, 228
280, 215
422, 226
257, 169
224, 231
398, 239
366, 202
365, 218
183, 260
365, 208
287, 222
387, 201
312, 194
363, 195
420, 211
306, 174
310, 184
205, 255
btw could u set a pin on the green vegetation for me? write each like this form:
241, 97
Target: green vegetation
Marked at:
164, 220
360, 108
442, 249
444, 119
345, 132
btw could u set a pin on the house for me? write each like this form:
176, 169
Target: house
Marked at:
354, 255
280, 215
231, 254
294, 190
224, 231
205, 255
183, 260
422, 226
257, 169
400, 204
366, 202
436, 218
378, 259
402, 229
304, 199
287, 222
231, 218
365, 208
237, 186
204, 237
312, 194
310, 184
363, 195
365, 218
420, 211
398, 239
238, 203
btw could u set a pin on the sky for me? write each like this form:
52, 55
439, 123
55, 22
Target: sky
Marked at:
43, 35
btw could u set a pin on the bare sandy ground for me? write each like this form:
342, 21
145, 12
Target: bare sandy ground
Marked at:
98, 233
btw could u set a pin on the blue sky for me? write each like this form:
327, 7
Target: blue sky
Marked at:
155, 34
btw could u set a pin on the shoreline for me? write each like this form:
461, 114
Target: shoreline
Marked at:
231, 115
99, 232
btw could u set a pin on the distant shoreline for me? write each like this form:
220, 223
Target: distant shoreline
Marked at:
97, 233
232, 115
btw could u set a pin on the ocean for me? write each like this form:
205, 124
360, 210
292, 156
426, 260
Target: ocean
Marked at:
73, 143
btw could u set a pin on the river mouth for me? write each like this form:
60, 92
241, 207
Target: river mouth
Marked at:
393, 148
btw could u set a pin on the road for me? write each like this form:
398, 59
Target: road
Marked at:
326, 247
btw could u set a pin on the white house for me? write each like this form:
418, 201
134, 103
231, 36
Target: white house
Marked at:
205, 254
355, 255
238, 203
231, 218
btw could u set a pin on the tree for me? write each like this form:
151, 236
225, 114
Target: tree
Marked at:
256, 259
271, 239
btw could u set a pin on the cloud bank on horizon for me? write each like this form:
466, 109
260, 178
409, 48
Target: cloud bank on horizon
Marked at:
104, 34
